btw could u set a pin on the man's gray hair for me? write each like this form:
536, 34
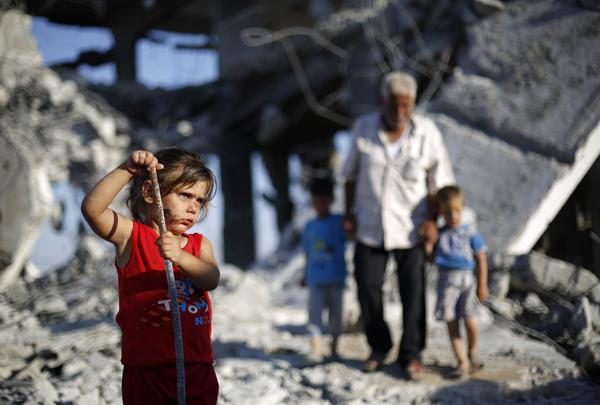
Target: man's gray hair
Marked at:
398, 84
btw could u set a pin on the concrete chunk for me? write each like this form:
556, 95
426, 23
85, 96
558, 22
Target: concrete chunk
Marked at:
508, 191
537, 272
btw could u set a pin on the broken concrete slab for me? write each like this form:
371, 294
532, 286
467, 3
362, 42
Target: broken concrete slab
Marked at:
594, 295
50, 306
524, 71
534, 304
485, 8
506, 308
503, 185
581, 319
17, 46
588, 355
514, 82
25, 202
499, 283
539, 273
50, 130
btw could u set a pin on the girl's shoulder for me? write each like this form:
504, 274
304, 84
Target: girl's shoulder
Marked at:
194, 236
141, 230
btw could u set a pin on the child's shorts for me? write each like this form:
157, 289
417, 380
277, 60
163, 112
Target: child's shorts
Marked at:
321, 297
158, 384
456, 295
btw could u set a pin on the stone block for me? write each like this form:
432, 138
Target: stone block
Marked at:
588, 356
537, 272
499, 283
594, 294
581, 319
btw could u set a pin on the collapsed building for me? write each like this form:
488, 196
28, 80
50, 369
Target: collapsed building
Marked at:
514, 87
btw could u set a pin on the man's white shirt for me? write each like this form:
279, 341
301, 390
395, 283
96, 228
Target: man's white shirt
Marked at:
394, 179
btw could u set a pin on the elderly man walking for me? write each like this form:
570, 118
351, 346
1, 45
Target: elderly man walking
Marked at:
396, 163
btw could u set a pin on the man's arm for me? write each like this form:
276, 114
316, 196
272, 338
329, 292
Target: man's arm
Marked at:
349, 222
429, 230
439, 174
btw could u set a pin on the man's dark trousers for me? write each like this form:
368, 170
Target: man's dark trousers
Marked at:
369, 271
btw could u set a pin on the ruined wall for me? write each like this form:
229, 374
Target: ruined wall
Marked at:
520, 114
50, 131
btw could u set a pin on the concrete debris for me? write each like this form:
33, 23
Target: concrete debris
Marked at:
503, 108
525, 76
534, 305
504, 307
260, 342
588, 355
50, 306
548, 298
539, 273
581, 319
487, 7
50, 131
499, 283
512, 78
595, 315
594, 294
524, 181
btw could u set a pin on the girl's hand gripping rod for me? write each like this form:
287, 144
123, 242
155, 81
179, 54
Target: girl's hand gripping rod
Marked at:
173, 295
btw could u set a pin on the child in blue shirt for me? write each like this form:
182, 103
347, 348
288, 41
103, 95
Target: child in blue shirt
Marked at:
459, 250
323, 240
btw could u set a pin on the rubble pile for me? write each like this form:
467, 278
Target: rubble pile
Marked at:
556, 301
51, 130
60, 341
504, 127
61, 345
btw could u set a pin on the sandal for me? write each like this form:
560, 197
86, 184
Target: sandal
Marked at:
414, 370
458, 374
476, 363
373, 363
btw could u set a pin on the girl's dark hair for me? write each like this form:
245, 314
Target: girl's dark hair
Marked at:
181, 169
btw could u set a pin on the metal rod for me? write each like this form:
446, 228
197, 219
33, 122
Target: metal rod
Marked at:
173, 295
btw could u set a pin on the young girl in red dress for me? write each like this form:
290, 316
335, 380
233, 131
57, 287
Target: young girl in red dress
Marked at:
147, 344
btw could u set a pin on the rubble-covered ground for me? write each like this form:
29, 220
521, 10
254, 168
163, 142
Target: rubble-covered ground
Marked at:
58, 339
61, 345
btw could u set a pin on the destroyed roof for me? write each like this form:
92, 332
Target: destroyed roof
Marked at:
520, 115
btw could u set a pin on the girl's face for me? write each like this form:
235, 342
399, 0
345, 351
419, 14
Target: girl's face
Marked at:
452, 212
183, 206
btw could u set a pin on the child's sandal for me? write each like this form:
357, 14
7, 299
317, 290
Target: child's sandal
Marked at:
476, 363
458, 373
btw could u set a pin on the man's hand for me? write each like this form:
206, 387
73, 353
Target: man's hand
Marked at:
349, 225
429, 232
168, 245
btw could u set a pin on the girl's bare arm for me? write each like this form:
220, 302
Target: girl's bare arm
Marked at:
104, 221
203, 270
